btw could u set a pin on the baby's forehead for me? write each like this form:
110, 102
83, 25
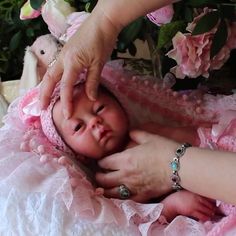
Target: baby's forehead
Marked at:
79, 92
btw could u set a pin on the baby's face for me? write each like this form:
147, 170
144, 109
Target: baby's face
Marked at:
96, 129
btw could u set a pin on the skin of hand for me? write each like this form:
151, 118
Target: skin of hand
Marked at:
90, 47
145, 170
136, 168
188, 204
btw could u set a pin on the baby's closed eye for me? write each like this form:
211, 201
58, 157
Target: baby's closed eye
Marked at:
78, 126
99, 108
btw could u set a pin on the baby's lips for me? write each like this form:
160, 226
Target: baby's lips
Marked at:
103, 136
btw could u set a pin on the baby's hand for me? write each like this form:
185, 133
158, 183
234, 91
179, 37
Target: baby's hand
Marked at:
99, 192
188, 204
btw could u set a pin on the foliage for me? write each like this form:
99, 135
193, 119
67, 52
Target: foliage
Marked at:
15, 36
183, 14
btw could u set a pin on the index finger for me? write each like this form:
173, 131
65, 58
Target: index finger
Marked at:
50, 79
112, 162
93, 79
68, 80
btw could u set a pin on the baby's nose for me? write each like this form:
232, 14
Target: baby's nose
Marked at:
95, 121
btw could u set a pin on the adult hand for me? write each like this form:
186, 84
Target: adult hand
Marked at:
144, 169
88, 48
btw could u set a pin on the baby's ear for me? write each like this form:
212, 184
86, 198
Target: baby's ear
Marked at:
29, 77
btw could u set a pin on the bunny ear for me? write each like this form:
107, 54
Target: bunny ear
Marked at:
30, 77
3, 108
29, 106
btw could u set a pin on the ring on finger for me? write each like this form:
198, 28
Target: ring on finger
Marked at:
50, 64
124, 191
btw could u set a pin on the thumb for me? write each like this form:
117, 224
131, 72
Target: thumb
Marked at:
141, 137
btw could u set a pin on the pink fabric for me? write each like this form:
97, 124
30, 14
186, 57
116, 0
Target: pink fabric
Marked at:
49, 128
42, 194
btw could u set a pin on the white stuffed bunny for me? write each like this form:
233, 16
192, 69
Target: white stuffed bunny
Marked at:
3, 108
37, 58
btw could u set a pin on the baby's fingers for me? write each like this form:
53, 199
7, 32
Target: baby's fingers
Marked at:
210, 204
201, 216
204, 213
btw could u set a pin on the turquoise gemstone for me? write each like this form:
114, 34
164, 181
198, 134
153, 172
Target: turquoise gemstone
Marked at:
174, 166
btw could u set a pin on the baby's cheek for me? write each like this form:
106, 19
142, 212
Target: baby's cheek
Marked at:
92, 151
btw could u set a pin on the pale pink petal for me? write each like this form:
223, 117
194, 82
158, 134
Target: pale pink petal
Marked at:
162, 16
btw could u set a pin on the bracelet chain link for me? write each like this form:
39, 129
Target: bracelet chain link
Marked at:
175, 166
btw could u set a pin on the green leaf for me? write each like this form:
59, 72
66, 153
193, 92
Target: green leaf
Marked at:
36, 4
130, 33
168, 31
199, 3
15, 41
89, 6
228, 10
121, 47
188, 14
206, 23
219, 38
85, 1
132, 49
30, 32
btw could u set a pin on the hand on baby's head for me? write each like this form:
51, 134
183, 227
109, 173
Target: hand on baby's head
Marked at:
96, 128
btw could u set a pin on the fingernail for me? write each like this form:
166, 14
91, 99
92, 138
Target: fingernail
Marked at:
93, 95
66, 114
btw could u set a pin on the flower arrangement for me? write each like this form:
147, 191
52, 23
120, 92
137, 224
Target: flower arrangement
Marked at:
193, 37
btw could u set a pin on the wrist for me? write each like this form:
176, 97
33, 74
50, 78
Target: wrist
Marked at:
108, 29
119, 11
107, 14
169, 149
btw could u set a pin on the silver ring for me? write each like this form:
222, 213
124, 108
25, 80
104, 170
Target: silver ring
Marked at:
124, 192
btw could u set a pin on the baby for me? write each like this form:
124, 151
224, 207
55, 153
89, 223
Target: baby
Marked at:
100, 128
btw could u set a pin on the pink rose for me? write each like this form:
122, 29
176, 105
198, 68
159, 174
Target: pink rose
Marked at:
191, 54
161, 16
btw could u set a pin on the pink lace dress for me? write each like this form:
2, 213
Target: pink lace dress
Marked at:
40, 194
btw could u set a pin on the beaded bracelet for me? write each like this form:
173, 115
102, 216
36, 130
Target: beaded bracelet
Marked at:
175, 166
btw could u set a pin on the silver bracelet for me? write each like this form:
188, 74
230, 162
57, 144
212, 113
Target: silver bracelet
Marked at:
175, 166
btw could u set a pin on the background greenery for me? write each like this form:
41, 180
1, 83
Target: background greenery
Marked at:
15, 35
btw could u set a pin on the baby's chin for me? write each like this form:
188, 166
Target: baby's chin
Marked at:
113, 147
109, 149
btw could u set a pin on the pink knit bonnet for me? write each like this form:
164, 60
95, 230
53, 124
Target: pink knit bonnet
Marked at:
48, 126
37, 119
